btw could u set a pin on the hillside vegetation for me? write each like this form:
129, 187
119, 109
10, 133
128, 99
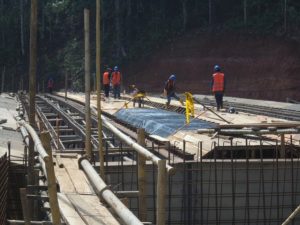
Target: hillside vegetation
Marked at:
250, 39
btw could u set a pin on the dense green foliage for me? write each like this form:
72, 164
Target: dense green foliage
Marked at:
130, 29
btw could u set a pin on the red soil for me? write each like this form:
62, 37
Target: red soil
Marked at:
255, 67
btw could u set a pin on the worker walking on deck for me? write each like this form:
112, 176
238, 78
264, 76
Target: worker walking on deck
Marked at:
106, 82
169, 90
218, 86
116, 82
50, 85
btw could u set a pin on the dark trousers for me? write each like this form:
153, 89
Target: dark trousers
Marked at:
219, 100
171, 95
106, 90
117, 91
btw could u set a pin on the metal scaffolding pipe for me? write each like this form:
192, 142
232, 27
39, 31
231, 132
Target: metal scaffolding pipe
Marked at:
249, 131
22, 222
140, 149
103, 192
37, 142
292, 216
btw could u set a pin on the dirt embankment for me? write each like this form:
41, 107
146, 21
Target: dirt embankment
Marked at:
255, 67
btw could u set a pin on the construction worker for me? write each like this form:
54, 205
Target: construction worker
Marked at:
137, 95
106, 81
116, 82
169, 90
50, 85
218, 86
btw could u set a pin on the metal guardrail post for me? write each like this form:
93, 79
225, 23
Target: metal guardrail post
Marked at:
52, 188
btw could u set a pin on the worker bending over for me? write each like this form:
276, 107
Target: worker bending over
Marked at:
218, 86
169, 90
137, 95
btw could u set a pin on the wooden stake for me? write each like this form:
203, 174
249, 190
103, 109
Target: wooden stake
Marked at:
282, 149
98, 67
51, 180
24, 203
142, 178
87, 65
32, 84
161, 192
66, 85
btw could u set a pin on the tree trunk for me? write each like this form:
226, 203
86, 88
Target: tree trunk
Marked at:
3, 28
22, 27
118, 28
129, 8
210, 12
245, 12
285, 16
3, 79
184, 14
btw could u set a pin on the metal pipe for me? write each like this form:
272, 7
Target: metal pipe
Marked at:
133, 144
127, 194
25, 135
37, 142
21, 222
292, 216
249, 131
103, 192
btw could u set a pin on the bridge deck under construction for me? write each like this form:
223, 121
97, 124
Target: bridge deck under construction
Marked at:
211, 167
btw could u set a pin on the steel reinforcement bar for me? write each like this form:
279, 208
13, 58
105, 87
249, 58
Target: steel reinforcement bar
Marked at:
256, 109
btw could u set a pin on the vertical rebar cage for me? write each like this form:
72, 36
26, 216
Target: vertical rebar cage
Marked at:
3, 188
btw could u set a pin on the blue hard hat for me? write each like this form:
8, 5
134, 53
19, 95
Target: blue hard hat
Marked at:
172, 77
115, 68
217, 68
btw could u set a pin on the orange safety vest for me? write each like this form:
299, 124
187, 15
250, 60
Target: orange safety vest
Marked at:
106, 78
218, 79
116, 78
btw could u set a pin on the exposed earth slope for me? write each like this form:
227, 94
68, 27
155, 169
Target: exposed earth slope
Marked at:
255, 67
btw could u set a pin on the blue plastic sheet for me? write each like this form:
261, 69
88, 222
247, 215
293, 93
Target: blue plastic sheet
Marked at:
160, 122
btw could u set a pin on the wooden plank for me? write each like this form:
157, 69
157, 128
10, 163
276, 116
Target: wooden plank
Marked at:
68, 212
65, 183
80, 181
92, 210
69, 163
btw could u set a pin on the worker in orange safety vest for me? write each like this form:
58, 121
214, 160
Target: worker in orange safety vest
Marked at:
218, 86
106, 81
116, 82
